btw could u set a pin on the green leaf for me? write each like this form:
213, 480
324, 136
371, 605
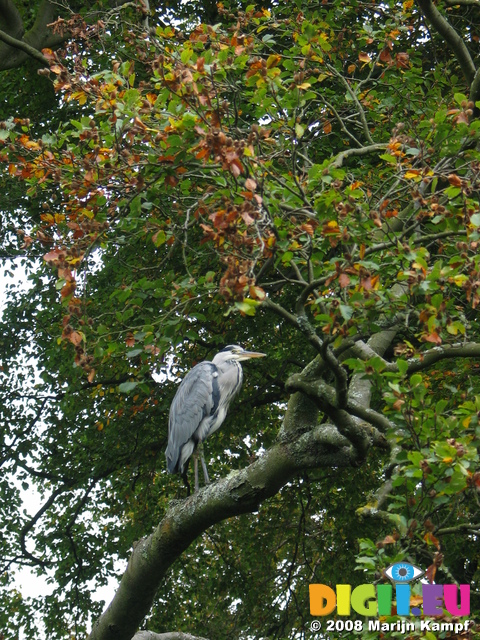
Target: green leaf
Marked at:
134, 352
416, 379
402, 366
299, 130
126, 387
247, 306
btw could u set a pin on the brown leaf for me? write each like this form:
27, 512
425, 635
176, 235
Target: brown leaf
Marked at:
402, 60
364, 57
432, 337
454, 180
75, 338
343, 280
67, 289
386, 56
431, 539
430, 573
52, 256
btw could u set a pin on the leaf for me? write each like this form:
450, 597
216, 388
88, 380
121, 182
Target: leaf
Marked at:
273, 60
247, 306
343, 280
159, 238
53, 256
431, 539
402, 366
299, 130
134, 352
346, 311
412, 174
126, 387
454, 180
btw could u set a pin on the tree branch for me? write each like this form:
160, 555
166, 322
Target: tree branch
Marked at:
19, 45
355, 99
360, 151
10, 18
465, 3
172, 635
467, 350
475, 87
426, 360
23, 46
451, 37
240, 492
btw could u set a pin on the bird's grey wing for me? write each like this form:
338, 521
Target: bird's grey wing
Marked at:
196, 397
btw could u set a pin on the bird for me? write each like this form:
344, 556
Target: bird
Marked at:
200, 406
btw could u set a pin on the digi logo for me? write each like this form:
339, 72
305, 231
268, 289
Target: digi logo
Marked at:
403, 572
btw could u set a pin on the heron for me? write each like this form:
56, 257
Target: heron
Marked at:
200, 407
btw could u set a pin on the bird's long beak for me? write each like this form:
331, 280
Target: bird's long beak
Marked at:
246, 355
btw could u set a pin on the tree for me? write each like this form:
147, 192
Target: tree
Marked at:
305, 182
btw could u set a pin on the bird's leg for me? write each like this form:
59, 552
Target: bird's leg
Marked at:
195, 467
204, 465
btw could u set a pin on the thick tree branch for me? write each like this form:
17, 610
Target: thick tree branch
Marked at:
370, 415
360, 151
475, 87
426, 360
240, 492
172, 635
23, 46
299, 322
466, 350
10, 18
19, 45
451, 37
465, 3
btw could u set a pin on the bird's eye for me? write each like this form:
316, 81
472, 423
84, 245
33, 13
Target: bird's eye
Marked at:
403, 572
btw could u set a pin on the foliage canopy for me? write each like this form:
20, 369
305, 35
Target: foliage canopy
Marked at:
299, 178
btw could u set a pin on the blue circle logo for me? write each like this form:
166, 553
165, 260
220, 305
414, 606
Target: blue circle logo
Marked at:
403, 572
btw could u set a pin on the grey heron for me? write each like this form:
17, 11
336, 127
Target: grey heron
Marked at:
200, 407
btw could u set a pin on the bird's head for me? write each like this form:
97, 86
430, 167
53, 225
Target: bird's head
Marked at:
235, 352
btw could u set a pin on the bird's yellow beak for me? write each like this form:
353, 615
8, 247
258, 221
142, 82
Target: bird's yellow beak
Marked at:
246, 355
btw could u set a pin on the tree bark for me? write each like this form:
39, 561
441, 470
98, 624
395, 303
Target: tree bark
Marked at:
240, 492
172, 635
18, 45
